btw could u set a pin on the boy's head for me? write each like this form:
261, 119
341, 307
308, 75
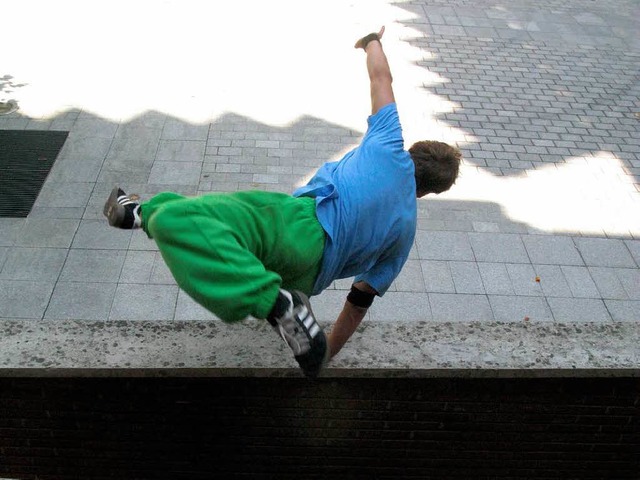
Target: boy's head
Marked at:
437, 166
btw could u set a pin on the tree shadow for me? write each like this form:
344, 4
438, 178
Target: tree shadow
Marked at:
151, 153
156, 152
7, 86
524, 98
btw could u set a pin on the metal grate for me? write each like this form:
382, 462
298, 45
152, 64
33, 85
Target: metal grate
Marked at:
26, 158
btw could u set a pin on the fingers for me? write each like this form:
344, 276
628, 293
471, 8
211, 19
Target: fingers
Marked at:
381, 32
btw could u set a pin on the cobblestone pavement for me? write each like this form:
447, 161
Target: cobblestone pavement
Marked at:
542, 97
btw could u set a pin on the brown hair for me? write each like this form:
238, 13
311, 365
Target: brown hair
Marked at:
437, 165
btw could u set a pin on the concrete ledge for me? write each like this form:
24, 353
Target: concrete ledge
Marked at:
378, 349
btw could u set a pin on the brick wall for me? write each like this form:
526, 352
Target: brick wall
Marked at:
201, 428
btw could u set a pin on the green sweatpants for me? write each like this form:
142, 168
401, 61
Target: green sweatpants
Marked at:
232, 252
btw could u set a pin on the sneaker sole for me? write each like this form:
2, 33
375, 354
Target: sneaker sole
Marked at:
319, 339
312, 371
113, 210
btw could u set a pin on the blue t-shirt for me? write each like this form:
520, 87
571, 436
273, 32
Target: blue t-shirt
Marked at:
366, 203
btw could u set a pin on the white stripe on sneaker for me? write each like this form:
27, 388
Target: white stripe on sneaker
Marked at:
309, 322
302, 314
124, 200
314, 330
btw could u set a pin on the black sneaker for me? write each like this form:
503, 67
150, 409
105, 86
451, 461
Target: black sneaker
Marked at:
298, 327
121, 210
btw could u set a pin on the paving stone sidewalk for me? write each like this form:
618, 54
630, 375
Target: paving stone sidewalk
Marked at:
544, 100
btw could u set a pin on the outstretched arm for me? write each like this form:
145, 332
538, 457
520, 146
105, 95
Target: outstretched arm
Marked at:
348, 320
379, 71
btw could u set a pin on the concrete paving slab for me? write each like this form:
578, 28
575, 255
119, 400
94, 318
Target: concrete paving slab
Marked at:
552, 281
634, 248
495, 278
140, 241
328, 305
27, 264
80, 300
580, 282
87, 127
58, 212
400, 307
552, 250
411, 278
460, 307
133, 148
3, 256
10, 230
438, 277
188, 310
498, 247
160, 273
608, 283
630, 279
92, 235
64, 194
576, 309
466, 277
47, 233
623, 310
523, 279
175, 129
137, 267
24, 299
178, 173
154, 302
93, 266
181, 150
444, 246
601, 252
527, 309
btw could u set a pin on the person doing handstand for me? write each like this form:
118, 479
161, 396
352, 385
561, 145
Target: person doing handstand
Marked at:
263, 254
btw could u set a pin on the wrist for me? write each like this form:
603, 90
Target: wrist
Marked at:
332, 345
